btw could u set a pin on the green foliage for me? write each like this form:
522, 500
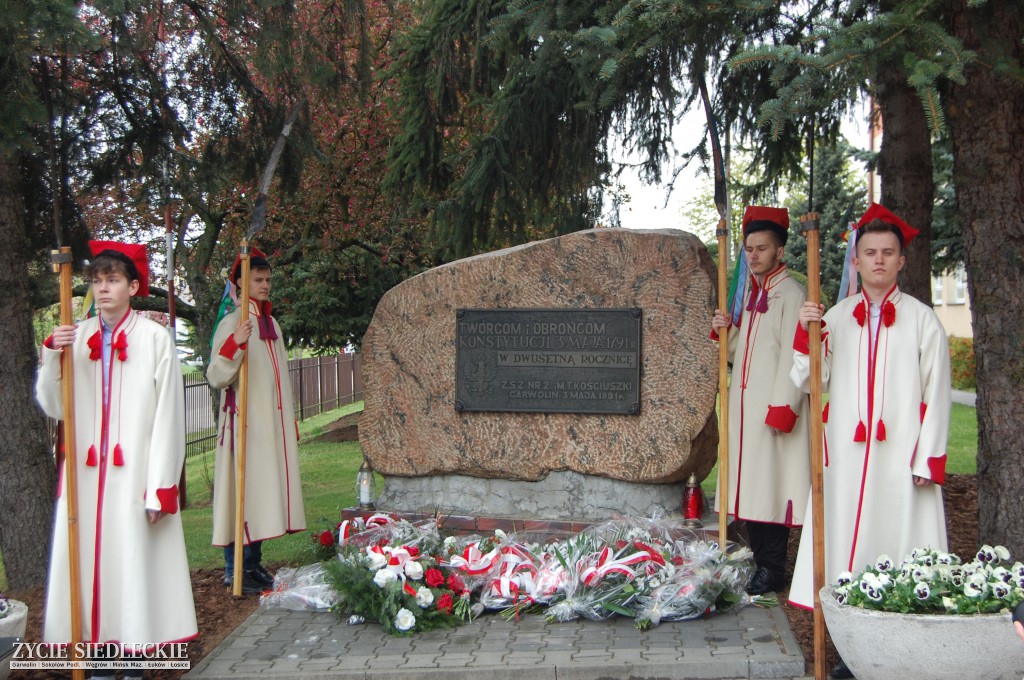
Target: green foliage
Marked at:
961, 363
353, 578
839, 199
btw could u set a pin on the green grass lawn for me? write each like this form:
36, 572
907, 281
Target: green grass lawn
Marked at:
328, 484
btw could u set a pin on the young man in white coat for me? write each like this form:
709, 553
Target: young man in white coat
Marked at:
769, 467
886, 369
130, 447
273, 490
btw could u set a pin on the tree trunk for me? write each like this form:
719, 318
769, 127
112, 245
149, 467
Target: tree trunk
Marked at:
986, 119
26, 460
905, 166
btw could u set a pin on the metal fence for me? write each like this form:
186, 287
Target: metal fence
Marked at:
318, 384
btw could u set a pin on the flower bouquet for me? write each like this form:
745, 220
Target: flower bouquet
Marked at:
705, 579
514, 580
387, 570
930, 581
304, 588
605, 567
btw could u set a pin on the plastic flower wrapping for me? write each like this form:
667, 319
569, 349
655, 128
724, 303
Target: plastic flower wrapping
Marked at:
931, 581
409, 579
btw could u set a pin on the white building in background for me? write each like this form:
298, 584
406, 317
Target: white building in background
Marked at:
952, 304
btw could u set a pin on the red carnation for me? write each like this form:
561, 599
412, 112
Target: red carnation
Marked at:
445, 603
326, 538
434, 578
413, 551
455, 584
859, 313
888, 313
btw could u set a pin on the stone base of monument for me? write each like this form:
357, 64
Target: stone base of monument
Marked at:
561, 504
538, 529
565, 495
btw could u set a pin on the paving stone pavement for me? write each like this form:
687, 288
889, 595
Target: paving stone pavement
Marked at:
280, 644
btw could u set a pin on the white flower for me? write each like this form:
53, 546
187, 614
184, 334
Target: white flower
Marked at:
949, 603
500, 535
845, 578
424, 598
945, 558
884, 563
923, 573
986, 554
414, 570
1001, 552
384, 577
874, 594
377, 560
1002, 574
841, 597
922, 591
976, 586
1001, 590
405, 619
449, 543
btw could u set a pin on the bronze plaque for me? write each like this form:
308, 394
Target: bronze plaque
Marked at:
548, 360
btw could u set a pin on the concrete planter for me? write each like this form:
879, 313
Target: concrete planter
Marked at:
12, 626
885, 645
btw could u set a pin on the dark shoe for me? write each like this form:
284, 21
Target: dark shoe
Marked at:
840, 671
249, 586
261, 576
763, 581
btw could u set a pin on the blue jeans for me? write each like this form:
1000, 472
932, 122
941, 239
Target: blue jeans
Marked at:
252, 557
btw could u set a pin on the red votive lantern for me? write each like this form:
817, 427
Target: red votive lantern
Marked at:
693, 502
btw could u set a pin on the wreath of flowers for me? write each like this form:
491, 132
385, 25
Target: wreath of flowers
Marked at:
408, 579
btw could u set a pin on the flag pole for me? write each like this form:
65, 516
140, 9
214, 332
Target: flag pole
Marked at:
243, 421
723, 386
61, 260
809, 225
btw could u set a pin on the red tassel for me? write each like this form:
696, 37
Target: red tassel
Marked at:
121, 345
118, 456
95, 343
880, 431
91, 459
861, 435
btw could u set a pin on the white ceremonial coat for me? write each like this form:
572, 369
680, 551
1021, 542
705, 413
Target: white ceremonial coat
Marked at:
273, 490
135, 583
882, 428
769, 464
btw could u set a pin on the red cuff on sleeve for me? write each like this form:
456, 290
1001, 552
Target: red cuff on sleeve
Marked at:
802, 340
230, 348
48, 343
937, 468
168, 498
713, 335
782, 418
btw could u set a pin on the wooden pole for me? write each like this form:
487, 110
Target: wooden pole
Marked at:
243, 422
723, 387
809, 225
62, 265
